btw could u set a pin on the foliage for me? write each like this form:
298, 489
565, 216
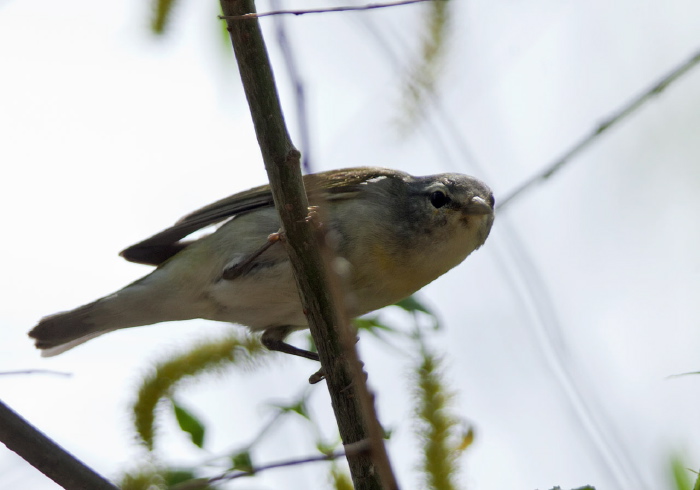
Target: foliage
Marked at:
439, 432
205, 358
422, 76
189, 423
162, 10
436, 425
682, 475
340, 479
443, 437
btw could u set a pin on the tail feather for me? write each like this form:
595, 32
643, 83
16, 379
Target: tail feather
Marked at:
61, 348
133, 306
57, 333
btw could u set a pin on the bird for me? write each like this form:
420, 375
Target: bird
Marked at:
395, 232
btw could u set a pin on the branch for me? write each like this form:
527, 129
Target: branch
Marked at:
45, 455
35, 371
352, 403
255, 15
299, 92
359, 447
611, 121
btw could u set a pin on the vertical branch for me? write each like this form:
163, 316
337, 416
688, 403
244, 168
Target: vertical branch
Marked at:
352, 403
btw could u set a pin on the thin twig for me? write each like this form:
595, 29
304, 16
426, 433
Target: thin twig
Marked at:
371, 6
356, 448
622, 114
35, 371
295, 78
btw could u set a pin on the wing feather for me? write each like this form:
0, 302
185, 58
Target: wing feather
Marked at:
335, 184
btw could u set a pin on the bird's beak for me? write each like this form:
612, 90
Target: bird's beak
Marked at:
478, 206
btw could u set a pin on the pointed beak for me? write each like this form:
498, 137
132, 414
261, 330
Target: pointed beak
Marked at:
478, 206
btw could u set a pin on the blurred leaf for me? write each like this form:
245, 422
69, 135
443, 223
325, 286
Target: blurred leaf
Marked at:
412, 305
189, 423
298, 406
144, 479
173, 477
381, 331
242, 462
372, 324
387, 433
422, 78
467, 439
325, 447
162, 10
680, 473
341, 480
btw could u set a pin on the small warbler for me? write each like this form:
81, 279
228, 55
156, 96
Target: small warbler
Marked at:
396, 233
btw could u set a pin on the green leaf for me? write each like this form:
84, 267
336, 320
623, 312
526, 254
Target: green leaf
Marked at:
387, 433
412, 305
242, 462
173, 477
372, 324
325, 447
161, 15
299, 406
680, 474
340, 479
190, 424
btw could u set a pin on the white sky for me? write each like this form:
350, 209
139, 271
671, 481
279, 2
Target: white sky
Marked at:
109, 135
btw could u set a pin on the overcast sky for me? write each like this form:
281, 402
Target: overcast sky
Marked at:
587, 293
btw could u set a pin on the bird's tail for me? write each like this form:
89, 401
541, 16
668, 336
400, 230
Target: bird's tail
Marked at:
129, 307
57, 333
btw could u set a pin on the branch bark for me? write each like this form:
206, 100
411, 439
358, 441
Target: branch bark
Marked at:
45, 455
352, 403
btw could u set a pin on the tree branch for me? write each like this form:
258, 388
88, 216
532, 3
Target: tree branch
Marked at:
372, 6
352, 403
35, 371
611, 121
352, 449
45, 455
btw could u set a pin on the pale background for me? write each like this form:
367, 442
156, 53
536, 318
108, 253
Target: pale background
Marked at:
109, 135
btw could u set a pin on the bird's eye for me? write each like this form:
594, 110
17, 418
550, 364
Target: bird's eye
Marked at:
492, 200
439, 199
